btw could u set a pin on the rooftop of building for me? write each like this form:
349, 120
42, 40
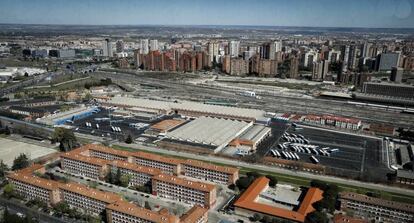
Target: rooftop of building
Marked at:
108, 150
158, 158
377, 201
35, 181
224, 169
188, 106
139, 212
135, 167
27, 109
76, 155
106, 197
205, 187
195, 213
209, 131
166, 125
255, 133
405, 174
339, 218
248, 201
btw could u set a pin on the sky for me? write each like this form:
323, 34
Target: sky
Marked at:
314, 13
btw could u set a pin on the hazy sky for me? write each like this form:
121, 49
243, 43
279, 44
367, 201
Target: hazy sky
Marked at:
333, 13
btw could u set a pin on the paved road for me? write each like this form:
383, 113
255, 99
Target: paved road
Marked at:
274, 169
15, 206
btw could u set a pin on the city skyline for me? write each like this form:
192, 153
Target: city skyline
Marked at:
325, 13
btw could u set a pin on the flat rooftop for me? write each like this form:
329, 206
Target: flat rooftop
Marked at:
187, 106
209, 131
166, 125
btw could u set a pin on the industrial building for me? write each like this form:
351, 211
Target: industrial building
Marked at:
61, 118
182, 190
205, 134
250, 202
387, 92
376, 209
185, 108
248, 141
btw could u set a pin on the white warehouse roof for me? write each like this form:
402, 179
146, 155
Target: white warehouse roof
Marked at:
215, 132
188, 106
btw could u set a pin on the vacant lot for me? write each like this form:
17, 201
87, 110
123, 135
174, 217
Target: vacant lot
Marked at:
10, 149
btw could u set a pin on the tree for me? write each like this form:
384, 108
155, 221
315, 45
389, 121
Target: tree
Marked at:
147, 205
244, 182
317, 217
109, 177
7, 130
118, 175
128, 139
8, 190
256, 217
20, 162
124, 180
273, 180
65, 137
3, 169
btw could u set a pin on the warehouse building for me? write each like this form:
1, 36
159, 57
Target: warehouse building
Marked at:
251, 202
139, 175
165, 126
209, 172
249, 140
185, 108
165, 164
71, 115
122, 212
181, 190
205, 134
376, 209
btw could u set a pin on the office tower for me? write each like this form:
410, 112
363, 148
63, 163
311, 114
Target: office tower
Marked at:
385, 61
213, 51
119, 46
144, 49
107, 48
248, 54
396, 74
137, 60
265, 51
234, 47
153, 45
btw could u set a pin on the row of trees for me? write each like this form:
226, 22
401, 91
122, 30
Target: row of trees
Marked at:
118, 178
244, 182
14, 218
66, 139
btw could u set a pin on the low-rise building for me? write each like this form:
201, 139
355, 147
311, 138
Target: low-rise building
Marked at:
74, 162
250, 203
376, 209
122, 212
196, 214
182, 190
166, 165
106, 153
89, 200
139, 175
405, 177
32, 187
210, 172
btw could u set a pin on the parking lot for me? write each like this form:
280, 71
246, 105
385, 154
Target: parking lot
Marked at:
99, 124
341, 153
